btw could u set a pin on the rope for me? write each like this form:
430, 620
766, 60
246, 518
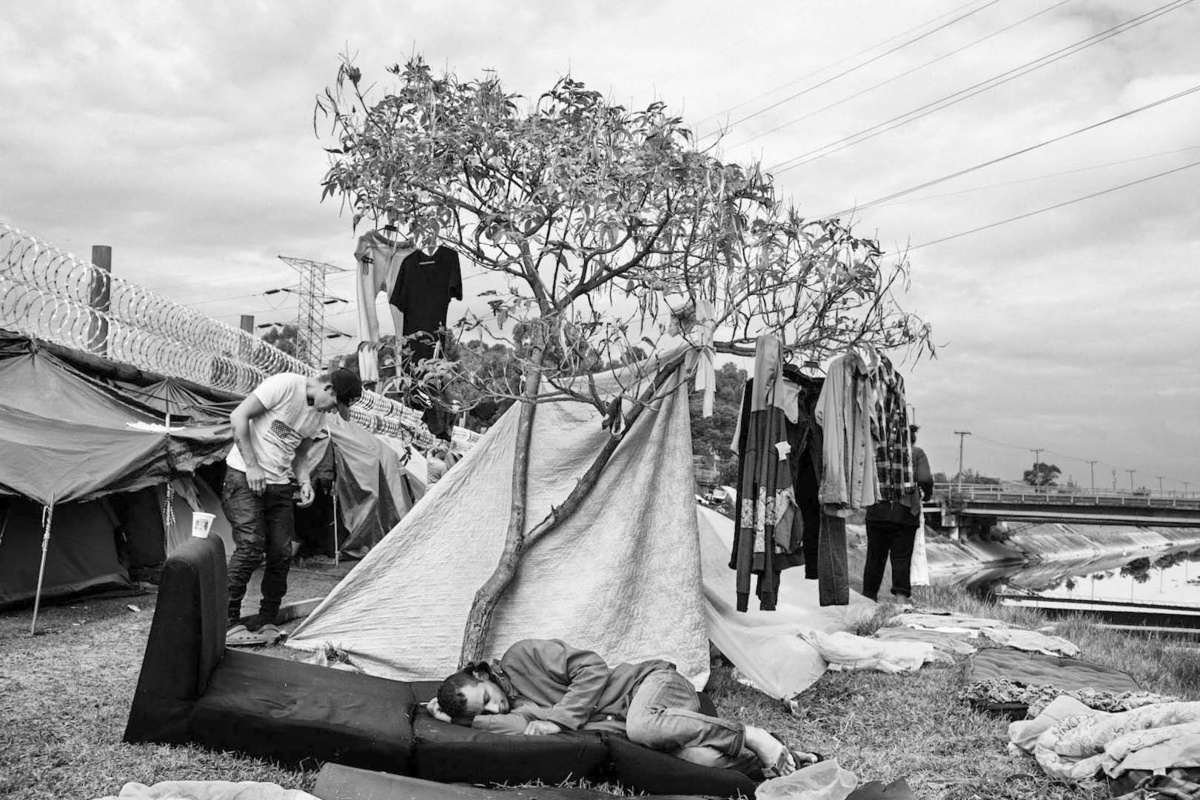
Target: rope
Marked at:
169, 511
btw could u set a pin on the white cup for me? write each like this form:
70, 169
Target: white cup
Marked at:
201, 523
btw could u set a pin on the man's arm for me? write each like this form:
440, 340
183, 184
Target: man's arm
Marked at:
240, 418
583, 672
309, 452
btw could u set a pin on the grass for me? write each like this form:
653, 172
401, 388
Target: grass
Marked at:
65, 694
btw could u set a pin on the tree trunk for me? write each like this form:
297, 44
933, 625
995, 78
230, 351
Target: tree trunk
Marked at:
480, 617
517, 541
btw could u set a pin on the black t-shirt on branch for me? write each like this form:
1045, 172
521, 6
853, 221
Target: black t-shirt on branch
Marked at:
423, 291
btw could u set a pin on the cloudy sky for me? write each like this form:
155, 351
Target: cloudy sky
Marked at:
181, 134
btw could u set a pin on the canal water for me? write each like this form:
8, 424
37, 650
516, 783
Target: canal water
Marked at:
1149, 577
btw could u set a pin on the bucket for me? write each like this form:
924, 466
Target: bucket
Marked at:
201, 523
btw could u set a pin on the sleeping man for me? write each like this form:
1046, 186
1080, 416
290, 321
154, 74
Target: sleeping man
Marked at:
545, 686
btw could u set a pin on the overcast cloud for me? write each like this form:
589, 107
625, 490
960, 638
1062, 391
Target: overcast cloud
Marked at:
181, 135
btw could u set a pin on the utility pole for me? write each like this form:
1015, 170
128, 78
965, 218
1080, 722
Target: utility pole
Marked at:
1092, 466
1037, 459
961, 438
1160, 479
1185, 488
1131, 471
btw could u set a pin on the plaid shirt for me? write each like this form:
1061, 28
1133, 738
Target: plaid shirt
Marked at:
889, 430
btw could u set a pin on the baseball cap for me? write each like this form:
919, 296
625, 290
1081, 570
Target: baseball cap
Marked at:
347, 388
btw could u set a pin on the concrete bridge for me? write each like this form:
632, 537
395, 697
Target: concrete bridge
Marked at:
983, 504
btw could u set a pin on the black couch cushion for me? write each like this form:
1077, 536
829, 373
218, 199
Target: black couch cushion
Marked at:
292, 711
456, 754
653, 772
187, 639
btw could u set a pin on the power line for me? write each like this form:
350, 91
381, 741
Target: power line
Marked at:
901, 46
904, 74
1055, 206
835, 63
1036, 178
971, 91
1022, 151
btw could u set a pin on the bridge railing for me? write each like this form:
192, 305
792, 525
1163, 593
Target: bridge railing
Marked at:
963, 494
51, 294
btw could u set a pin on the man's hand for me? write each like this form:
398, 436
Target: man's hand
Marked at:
436, 712
256, 478
541, 727
306, 495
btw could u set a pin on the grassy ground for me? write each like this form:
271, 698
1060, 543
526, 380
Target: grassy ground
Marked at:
65, 694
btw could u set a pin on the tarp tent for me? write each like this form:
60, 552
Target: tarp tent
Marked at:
638, 572
621, 576
100, 457
68, 440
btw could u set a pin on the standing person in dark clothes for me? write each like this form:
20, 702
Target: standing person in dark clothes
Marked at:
272, 431
892, 530
541, 687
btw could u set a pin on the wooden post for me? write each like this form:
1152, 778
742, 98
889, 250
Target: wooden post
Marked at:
245, 348
99, 297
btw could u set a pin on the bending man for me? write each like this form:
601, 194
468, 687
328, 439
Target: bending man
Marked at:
546, 686
272, 430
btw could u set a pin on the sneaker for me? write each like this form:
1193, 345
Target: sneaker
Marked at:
256, 621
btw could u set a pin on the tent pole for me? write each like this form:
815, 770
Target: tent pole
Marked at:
335, 520
47, 518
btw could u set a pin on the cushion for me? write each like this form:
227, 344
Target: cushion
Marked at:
651, 771
187, 639
291, 711
451, 753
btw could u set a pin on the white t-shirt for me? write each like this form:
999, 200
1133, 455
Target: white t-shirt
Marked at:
276, 434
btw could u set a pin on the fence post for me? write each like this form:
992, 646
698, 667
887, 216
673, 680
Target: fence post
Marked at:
99, 297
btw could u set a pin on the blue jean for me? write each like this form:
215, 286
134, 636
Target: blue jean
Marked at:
263, 526
664, 714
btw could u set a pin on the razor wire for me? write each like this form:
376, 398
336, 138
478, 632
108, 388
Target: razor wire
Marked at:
53, 295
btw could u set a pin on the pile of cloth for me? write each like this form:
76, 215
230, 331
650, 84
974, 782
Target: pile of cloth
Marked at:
1073, 742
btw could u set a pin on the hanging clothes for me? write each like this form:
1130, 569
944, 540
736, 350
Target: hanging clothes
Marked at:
765, 514
379, 259
805, 459
848, 411
424, 288
844, 412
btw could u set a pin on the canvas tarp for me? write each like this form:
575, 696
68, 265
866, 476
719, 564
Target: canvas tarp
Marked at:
65, 437
621, 576
373, 491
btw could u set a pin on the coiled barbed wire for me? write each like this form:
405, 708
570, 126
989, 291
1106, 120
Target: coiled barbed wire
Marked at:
53, 295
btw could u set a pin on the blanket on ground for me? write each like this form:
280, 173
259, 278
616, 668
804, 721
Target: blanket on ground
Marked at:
1153, 737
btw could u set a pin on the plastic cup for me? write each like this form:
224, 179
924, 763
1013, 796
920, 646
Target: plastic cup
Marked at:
201, 523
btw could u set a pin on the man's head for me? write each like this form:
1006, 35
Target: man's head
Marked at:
912, 432
336, 390
470, 692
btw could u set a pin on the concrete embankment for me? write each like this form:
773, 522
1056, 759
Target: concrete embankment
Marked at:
1053, 542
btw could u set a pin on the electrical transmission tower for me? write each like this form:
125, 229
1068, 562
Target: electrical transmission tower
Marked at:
310, 319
